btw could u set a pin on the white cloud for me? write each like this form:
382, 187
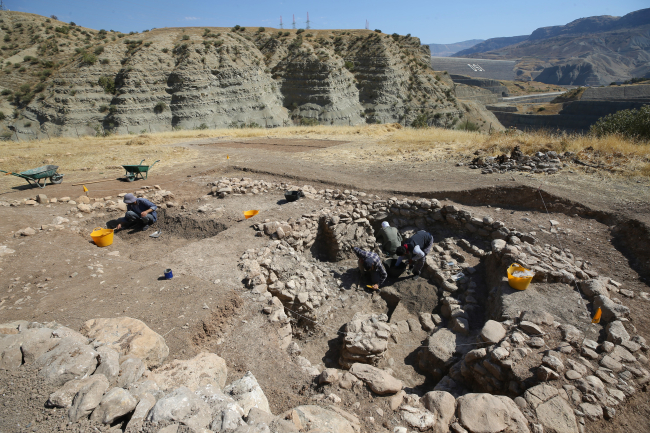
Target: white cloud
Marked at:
191, 18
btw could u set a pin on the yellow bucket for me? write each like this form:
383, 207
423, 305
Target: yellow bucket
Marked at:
518, 283
250, 213
102, 237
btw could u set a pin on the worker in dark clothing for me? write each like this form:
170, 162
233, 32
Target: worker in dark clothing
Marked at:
370, 265
415, 250
390, 238
139, 210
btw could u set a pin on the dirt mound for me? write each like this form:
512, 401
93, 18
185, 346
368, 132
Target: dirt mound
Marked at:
214, 326
416, 295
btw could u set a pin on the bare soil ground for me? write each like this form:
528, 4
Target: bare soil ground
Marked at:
604, 220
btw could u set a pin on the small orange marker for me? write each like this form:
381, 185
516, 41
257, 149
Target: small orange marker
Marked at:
85, 190
596, 318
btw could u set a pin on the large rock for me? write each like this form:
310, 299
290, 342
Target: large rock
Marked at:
147, 401
88, 397
227, 414
203, 369
610, 310
67, 361
115, 404
378, 380
11, 357
35, 342
63, 396
492, 332
443, 406
366, 339
128, 336
487, 413
616, 332
131, 370
594, 287
248, 393
182, 405
418, 418
318, 419
553, 412
439, 351
109, 363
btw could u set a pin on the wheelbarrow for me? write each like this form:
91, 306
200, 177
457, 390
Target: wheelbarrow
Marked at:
139, 171
39, 176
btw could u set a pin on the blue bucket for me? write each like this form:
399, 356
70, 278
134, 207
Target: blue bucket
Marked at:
168, 274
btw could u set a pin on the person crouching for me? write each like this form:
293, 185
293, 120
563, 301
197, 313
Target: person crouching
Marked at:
139, 211
371, 267
415, 250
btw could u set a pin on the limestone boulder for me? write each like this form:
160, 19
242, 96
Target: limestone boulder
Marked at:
182, 405
35, 342
63, 396
594, 287
418, 418
553, 412
248, 394
443, 407
378, 380
145, 403
493, 332
131, 370
487, 413
318, 419
439, 352
610, 310
128, 336
11, 357
88, 398
67, 361
115, 404
616, 332
109, 363
203, 369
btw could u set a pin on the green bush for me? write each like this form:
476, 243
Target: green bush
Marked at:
112, 109
468, 126
5, 92
2, 116
105, 62
88, 59
107, 83
186, 37
203, 126
299, 31
99, 50
39, 87
377, 30
160, 107
309, 121
349, 65
261, 29
628, 123
103, 108
165, 50
420, 121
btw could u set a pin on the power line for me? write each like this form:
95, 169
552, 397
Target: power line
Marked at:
308, 26
281, 25
294, 22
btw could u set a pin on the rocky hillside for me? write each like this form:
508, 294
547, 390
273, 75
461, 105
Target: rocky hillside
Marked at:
64, 79
588, 51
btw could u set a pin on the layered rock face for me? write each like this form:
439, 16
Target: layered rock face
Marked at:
182, 78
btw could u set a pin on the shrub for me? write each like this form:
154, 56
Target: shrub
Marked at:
47, 63
395, 36
309, 121
27, 124
377, 31
103, 108
541, 109
5, 92
160, 107
420, 121
468, 126
25, 88
165, 50
22, 69
628, 123
349, 65
2, 116
203, 126
107, 83
186, 37
299, 31
112, 109
88, 59
105, 62
65, 30
7, 38
99, 50
261, 29
39, 87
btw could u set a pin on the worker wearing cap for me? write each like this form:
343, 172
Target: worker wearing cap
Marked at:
415, 250
139, 210
390, 238
370, 265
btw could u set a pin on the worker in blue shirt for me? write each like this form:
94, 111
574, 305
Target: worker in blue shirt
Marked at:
139, 210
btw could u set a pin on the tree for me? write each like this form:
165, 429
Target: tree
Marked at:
54, 17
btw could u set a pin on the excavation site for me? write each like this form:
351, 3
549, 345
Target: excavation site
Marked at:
247, 311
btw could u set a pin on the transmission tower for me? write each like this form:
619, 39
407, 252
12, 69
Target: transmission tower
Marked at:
2, 6
308, 26
367, 25
281, 26
294, 22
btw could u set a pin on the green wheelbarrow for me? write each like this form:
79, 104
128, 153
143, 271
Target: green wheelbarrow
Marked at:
139, 171
39, 176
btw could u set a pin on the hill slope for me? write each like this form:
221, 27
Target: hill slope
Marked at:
87, 81
587, 51
446, 50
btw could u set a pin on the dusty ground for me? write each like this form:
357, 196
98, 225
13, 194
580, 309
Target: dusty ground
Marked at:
205, 305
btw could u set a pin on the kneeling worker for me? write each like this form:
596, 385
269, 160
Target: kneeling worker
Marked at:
370, 265
390, 238
415, 250
139, 210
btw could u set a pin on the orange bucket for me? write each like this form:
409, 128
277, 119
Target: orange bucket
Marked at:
102, 237
250, 213
518, 283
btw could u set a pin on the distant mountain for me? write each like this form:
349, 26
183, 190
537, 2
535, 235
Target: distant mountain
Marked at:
588, 51
490, 45
446, 50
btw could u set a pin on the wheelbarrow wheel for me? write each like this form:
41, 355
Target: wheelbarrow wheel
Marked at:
130, 177
56, 179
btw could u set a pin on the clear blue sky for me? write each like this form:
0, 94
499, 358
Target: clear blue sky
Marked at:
431, 21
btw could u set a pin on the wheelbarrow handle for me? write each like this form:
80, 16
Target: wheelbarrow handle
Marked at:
141, 162
154, 163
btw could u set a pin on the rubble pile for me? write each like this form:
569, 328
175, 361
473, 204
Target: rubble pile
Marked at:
365, 339
542, 162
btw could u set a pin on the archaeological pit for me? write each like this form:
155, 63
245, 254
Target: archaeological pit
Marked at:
456, 350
